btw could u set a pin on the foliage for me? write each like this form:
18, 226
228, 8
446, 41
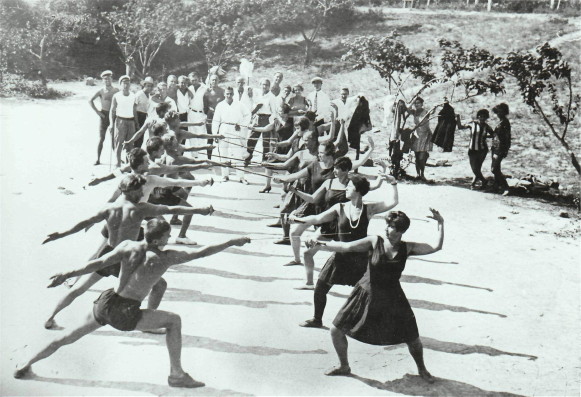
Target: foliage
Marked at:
545, 77
390, 57
31, 36
220, 31
141, 27
13, 85
308, 17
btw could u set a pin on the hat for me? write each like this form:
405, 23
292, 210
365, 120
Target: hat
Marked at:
148, 79
124, 77
106, 73
131, 182
316, 79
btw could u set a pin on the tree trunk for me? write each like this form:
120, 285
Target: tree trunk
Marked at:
489, 5
475, 2
552, 5
558, 4
308, 52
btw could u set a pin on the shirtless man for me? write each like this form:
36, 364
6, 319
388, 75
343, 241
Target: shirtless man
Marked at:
105, 94
123, 218
212, 96
142, 265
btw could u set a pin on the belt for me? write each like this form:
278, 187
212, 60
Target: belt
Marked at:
126, 118
196, 111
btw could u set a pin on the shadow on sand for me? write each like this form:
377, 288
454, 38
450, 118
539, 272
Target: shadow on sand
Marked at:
423, 280
239, 251
200, 342
232, 198
212, 229
427, 305
413, 258
413, 385
186, 295
139, 387
225, 274
459, 348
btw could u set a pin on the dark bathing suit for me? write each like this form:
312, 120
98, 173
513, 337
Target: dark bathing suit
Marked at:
119, 312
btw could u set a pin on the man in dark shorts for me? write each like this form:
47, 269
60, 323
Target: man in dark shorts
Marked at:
142, 265
105, 94
123, 218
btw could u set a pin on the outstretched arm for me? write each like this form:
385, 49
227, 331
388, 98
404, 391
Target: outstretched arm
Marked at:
159, 181
424, 248
311, 198
365, 244
109, 259
156, 210
293, 177
101, 215
96, 181
323, 217
139, 133
178, 257
366, 156
391, 199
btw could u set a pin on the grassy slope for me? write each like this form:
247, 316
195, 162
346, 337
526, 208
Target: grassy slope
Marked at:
535, 150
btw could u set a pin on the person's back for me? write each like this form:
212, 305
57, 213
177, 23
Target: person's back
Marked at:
141, 271
123, 221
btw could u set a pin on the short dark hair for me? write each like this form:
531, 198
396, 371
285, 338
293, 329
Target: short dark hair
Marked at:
501, 109
329, 148
399, 220
285, 108
229, 88
131, 182
304, 123
483, 113
156, 228
158, 129
312, 116
361, 184
153, 144
343, 163
136, 157
162, 108
419, 99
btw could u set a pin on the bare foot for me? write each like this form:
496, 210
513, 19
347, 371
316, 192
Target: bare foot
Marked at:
184, 381
339, 371
52, 325
22, 373
425, 375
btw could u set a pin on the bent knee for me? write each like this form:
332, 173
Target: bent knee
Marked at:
160, 285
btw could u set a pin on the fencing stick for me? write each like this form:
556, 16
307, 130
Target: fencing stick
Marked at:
232, 158
244, 146
246, 212
295, 237
249, 172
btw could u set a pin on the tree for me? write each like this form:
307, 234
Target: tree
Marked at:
308, 17
220, 31
140, 28
545, 84
32, 35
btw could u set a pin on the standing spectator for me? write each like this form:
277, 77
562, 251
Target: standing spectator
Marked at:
212, 96
123, 116
142, 105
275, 88
319, 101
422, 145
298, 104
264, 109
196, 112
478, 149
105, 94
172, 87
501, 140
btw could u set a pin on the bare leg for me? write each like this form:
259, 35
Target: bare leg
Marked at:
102, 133
417, 351
296, 233
185, 222
86, 328
340, 343
309, 258
72, 294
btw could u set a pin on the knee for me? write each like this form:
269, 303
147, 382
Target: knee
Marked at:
176, 321
336, 332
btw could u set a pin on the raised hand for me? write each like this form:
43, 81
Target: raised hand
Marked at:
57, 280
277, 180
389, 178
208, 210
371, 143
52, 237
436, 216
381, 163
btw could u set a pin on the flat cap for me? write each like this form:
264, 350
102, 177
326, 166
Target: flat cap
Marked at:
107, 73
316, 79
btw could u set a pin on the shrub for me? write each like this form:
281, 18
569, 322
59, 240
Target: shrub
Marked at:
15, 86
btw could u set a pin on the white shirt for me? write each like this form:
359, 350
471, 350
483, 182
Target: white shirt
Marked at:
184, 100
267, 100
345, 110
124, 105
142, 101
172, 104
197, 103
225, 113
320, 104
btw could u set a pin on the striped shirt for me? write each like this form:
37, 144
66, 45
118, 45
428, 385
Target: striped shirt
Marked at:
478, 135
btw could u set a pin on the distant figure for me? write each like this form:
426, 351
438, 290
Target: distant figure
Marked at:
477, 148
105, 94
501, 141
212, 96
123, 116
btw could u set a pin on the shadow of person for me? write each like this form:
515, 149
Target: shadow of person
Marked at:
427, 305
139, 387
423, 280
227, 215
460, 348
239, 251
201, 342
413, 385
226, 274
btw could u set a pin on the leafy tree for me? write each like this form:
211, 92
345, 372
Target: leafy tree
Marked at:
220, 31
31, 35
545, 84
141, 27
308, 17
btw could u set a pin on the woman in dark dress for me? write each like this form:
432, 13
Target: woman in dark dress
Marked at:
377, 311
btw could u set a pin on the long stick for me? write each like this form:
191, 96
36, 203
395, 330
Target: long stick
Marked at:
244, 146
250, 172
278, 237
247, 212
232, 158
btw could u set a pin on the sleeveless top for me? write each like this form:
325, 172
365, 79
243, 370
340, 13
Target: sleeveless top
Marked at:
351, 231
383, 272
333, 197
318, 175
124, 105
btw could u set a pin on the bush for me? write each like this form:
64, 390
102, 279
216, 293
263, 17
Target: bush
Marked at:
15, 86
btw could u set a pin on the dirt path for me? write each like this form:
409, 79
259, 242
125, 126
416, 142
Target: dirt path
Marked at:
498, 308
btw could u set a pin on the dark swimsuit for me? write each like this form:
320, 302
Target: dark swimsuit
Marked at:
377, 311
347, 268
332, 197
119, 312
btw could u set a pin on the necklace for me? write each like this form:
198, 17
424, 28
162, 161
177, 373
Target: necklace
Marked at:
358, 218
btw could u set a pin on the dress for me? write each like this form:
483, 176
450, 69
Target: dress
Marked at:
377, 311
332, 197
445, 129
346, 268
423, 142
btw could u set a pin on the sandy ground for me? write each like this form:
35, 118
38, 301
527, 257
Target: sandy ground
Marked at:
497, 308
